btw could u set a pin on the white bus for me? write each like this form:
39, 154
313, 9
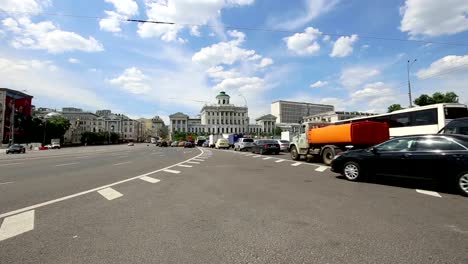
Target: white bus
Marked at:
429, 119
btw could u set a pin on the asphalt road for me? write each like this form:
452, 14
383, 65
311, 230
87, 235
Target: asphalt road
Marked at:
219, 207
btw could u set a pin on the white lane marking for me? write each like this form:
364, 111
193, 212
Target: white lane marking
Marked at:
66, 164
431, 193
193, 162
280, 160
250, 154
2, 183
172, 171
296, 164
256, 156
17, 224
149, 179
123, 156
198, 160
89, 191
267, 158
121, 163
154, 153
10, 164
321, 168
184, 166
109, 193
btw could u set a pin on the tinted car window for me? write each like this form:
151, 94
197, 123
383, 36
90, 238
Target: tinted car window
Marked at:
455, 112
431, 144
247, 140
399, 144
284, 141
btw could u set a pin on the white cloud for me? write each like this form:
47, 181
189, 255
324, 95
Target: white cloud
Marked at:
377, 89
218, 73
326, 38
355, 76
265, 62
184, 12
56, 86
46, 36
434, 17
343, 46
133, 81
318, 84
304, 43
310, 10
124, 9
224, 52
444, 65
73, 60
242, 84
195, 31
19, 8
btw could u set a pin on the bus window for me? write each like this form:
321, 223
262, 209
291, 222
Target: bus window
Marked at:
455, 112
400, 120
425, 117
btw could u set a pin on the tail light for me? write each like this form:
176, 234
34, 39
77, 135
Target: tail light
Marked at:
265, 146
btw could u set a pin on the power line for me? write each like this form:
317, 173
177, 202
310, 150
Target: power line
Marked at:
241, 28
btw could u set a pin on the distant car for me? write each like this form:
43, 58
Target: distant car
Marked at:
188, 145
174, 143
130, 144
441, 157
284, 145
243, 144
181, 144
15, 148
206, 144
48, 146
222, 143
265, 146
164, 144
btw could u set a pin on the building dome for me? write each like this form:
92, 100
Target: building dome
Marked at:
52, 115
223, 98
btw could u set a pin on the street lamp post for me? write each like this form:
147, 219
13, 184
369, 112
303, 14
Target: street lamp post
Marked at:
408, 66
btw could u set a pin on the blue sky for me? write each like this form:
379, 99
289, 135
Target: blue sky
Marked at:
321, 51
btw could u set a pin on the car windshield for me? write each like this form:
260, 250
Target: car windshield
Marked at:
284, 141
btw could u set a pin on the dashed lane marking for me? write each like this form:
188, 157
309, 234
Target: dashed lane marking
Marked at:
121, 163
267, 158
193, 162
296, 164
149, 179
280, 160
123, 156
184, 166
198, 160
109, 193
431, 193
10, 164
321, 168
256, 156
172, 171
66, 164
17, 224
4, 183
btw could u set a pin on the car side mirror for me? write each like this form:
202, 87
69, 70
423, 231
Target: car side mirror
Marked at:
374, 150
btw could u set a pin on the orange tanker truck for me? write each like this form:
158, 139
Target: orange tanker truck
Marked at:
326, 142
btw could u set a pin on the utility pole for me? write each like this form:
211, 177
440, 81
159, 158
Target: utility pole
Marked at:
409, 64
12, 121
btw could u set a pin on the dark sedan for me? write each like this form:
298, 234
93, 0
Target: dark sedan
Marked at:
263, 146
443, 158
15, 148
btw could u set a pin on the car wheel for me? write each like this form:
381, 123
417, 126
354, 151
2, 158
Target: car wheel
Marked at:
23, 151
277, 153
327, 156
462, 183
294, 154
352, 171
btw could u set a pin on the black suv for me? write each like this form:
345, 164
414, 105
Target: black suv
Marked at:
16, 148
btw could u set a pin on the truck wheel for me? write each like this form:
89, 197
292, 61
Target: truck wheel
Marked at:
327, 156
294, 154
352, 171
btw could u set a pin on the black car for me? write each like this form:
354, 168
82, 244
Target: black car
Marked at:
15, 148
443, 158
188, 144
164, 144
264, 146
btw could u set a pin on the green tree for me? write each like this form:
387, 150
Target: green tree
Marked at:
56, 128
163, 132
436, 98
278, 131
394, 107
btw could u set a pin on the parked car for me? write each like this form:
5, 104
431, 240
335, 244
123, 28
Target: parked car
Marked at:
175, 144
163, 144
130, 144
16, 148
181, 144
206, 144
284, 145
188, 144
440, 157
243, 144
265, 146
222, 143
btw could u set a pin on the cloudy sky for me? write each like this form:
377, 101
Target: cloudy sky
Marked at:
351, 54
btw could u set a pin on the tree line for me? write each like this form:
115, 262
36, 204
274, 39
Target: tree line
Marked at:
424, 99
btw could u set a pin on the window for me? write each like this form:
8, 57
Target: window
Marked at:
399, 144
455, 112
437, 143
400, 120
130, 130
425, 117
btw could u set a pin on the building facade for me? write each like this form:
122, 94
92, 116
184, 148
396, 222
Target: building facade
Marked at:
15, 109
333, 116
294, 112
267, 123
